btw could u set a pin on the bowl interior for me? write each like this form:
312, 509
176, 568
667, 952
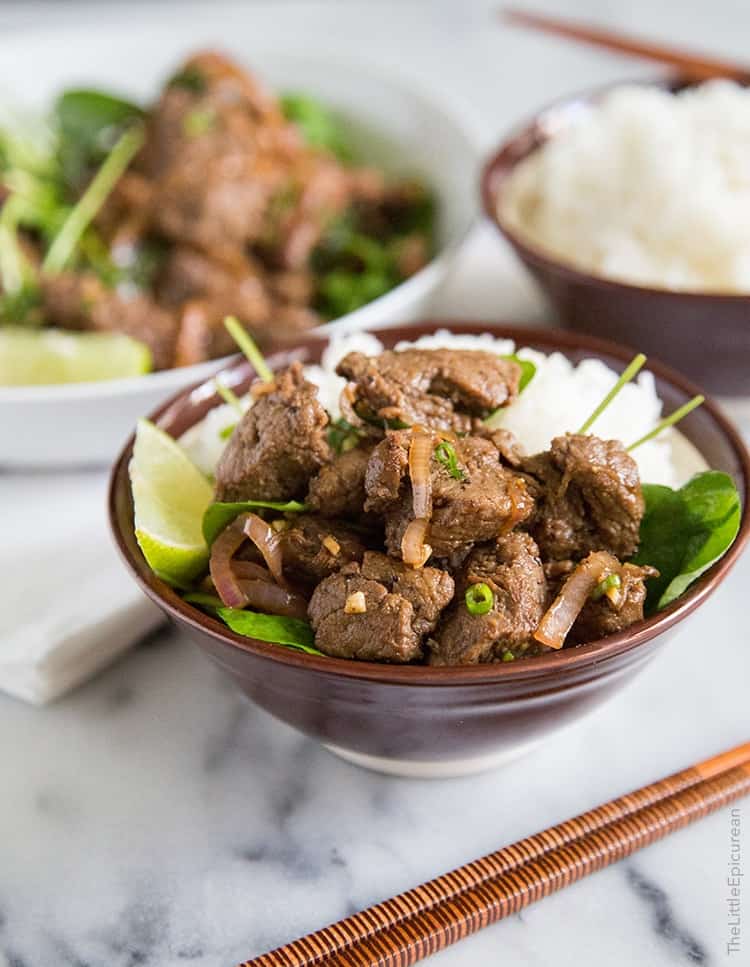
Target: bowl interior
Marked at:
706, 428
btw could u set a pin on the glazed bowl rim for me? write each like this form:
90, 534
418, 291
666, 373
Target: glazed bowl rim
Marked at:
537, 668
492, 182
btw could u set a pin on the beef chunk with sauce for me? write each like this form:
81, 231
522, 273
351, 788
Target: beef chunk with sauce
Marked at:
441, 388
588, 498
379, 610
608, 614
513, 571
483, 503
82, 301
278, 445
338, 489
313, 548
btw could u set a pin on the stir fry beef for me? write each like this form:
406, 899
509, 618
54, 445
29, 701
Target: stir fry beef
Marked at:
440, 388
379, 610
278, 444
338, 489
616, 611
588, 497
511, 568
476, 501
313, 548
82, 301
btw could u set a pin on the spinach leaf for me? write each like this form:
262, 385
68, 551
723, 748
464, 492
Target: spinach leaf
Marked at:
89, 123
318, 124
219, 514
208, 602
685, 531
528, 370
291, 632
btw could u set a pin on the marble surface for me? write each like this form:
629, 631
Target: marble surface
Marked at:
156, 818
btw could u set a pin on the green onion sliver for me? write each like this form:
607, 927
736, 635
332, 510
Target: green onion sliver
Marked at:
609, 582
479, 598
446, 455
669, 420
90, 202
228, 395
627, 375
247, 344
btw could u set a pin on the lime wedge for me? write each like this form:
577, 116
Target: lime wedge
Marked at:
170, 496
34, 357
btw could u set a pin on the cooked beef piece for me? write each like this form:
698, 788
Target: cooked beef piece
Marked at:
588, 498
400, 605
278, 444
338, 489
606, 616
441, 388
312, 548
508, 446
486, 502
230, 172
237, 288
83, 302
511, 567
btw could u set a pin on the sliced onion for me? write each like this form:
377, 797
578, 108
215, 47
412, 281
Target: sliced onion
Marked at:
223, 549
420, 454
251, 571
414, 550
516, 492
562, 613
271, 599
268, 543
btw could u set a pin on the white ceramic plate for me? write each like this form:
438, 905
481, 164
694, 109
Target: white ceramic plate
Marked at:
394, 123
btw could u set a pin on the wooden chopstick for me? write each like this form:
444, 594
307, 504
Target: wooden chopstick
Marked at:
691, 65
414, 924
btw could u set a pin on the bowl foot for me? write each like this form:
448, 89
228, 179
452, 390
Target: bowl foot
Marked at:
442, 769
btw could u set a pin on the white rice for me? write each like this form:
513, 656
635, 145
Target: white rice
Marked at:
650, 188
558, 399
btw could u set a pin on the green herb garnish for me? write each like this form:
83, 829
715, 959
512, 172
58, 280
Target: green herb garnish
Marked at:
445, 454
82, 213
670, 420
479, 598
247, 344
229, 396
630, 371
190, 79
609, 582
342, 436
685, 531
318, 124
199, 121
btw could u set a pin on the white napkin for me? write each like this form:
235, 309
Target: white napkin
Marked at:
68, 606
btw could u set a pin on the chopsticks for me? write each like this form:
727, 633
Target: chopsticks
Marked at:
691, 65
415, 924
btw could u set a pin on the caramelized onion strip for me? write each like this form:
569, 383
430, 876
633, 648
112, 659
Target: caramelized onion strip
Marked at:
414, 550
223, 549
271, 599
562, 613
268, 543
420, 454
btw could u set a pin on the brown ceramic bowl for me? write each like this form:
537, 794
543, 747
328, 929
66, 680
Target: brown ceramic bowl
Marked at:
423, 721
706, 336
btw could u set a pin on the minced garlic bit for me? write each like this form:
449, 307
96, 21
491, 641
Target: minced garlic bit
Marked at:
355, 603
280, 525
331, 545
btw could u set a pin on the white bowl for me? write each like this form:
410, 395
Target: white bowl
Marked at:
394, 124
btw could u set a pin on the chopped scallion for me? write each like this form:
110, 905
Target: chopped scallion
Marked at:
247, 344
479, 598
